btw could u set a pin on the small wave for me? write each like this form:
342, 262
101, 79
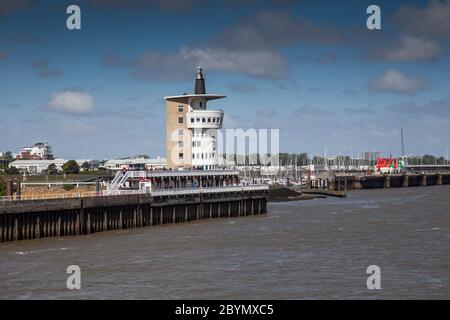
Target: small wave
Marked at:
23, 253
370, 206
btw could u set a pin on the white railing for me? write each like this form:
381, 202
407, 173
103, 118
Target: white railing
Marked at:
173, 192
57, 183
181, 173
118, 180
122, 192
73, 195
160, 192
48, 196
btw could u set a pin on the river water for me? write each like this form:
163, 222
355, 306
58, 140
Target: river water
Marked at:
315, 249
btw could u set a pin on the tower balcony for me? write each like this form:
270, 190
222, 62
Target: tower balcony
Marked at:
204, 119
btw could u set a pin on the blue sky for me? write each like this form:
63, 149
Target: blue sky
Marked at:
308, 68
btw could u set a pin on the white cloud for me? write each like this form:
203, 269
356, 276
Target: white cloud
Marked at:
72, 102
395, 82
252, 46
257, 63
411, 48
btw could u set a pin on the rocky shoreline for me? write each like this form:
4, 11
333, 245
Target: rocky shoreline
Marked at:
282, 194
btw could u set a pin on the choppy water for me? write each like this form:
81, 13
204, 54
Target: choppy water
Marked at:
299, 250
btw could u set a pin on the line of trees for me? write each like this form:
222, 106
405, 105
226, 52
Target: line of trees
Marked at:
71, 167
427, 160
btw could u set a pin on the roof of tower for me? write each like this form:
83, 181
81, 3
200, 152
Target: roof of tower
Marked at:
200, 91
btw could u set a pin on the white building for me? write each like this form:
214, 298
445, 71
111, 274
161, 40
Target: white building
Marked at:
136, 164
39, 166
40, 150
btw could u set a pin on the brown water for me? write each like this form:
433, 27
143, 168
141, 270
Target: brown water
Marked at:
299, 250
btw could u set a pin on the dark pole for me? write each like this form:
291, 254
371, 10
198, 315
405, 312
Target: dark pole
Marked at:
403, 144
9, 188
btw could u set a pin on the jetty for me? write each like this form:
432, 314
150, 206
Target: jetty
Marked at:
151, 198
343, 182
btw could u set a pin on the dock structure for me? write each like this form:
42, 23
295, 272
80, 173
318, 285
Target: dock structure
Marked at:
173, 197
347, 182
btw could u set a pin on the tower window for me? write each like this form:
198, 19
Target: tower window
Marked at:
180, 109
180, 132
203, 119
180, 155
180, 144
198, 119
180, 120
209, 119
192, 120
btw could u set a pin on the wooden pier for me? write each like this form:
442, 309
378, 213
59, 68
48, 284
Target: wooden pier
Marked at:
23, 220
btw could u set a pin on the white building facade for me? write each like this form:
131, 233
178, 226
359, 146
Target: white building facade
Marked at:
39, 166
192, 129
136, 164
40, 150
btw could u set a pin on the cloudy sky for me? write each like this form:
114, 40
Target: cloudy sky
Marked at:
312, 70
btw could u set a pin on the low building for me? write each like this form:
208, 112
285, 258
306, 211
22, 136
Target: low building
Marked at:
136, 164
39, 166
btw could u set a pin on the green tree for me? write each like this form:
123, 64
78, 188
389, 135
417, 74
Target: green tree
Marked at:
71, 166
12, 170
68, 187
86, 166
52, 169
